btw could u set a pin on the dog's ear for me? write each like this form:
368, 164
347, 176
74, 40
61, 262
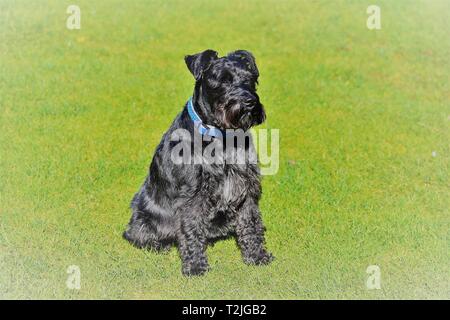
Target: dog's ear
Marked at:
246, 58
198, 63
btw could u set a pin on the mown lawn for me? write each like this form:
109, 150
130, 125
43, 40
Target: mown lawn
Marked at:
364, 145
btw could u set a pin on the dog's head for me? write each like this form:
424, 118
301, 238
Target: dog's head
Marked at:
227, 85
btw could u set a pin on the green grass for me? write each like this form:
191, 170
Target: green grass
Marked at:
360, 113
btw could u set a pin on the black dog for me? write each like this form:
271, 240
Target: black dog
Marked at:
191, 204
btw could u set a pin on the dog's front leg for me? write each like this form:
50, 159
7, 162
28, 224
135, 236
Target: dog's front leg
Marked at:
192, 245
250, 235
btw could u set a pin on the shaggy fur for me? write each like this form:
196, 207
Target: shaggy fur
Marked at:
193, 205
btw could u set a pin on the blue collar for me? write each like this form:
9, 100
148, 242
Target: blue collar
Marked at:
203, 129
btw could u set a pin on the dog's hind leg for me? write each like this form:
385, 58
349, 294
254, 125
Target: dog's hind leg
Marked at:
144, 231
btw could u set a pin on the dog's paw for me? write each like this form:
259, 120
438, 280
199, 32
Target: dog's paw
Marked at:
262, 258
195, 269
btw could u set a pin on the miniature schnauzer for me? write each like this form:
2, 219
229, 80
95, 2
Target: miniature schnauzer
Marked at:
191, 204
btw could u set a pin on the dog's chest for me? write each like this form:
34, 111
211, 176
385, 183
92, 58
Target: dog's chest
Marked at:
230, 188
233, 189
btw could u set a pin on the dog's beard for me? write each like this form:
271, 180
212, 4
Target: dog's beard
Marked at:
234, 116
